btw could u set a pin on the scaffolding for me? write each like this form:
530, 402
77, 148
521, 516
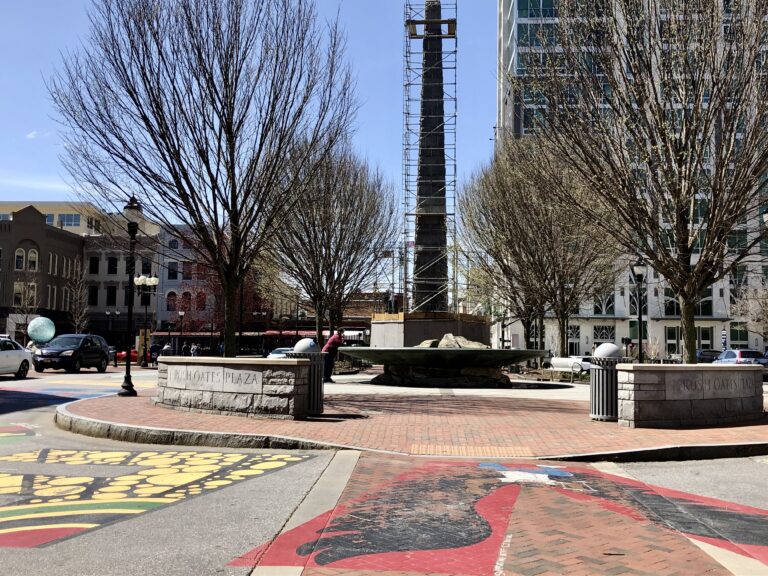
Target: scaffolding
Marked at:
436, 207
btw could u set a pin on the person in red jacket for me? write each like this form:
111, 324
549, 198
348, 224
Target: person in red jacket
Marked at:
332, 349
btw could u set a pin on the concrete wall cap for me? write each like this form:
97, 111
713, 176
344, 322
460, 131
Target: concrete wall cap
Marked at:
214, 361
687, 367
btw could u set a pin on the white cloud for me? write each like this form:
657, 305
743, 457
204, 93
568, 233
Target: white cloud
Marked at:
32, 135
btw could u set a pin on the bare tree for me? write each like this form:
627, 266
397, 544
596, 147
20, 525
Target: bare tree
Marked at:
545, 256
332, 245
199, 108
661, 105
78, 294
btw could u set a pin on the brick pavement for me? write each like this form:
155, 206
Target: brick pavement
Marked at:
413, 516
433, 425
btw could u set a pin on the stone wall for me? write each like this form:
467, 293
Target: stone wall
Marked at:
676, 396
276, 388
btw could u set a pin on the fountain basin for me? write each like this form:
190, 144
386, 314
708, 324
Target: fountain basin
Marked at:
441, 367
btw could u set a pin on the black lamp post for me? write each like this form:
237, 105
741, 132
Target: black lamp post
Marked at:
146, 285
639, 270
133, 228
181, 332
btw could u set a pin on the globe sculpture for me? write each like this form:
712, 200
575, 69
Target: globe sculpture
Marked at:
306, 345
41, 330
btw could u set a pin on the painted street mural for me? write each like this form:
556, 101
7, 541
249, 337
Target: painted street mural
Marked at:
10, 433
485, 518
50, 508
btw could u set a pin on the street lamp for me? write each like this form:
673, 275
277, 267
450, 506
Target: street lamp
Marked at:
181, 329
146, 286
133, 228
639, 270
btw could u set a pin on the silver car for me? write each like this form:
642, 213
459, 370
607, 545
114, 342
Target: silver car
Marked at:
742, 356
14, 358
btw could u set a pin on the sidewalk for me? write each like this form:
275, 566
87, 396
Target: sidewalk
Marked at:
530, 423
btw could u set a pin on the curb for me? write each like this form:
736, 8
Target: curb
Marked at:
70, 422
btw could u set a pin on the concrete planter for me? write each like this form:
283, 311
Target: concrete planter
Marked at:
276, 388
684, 395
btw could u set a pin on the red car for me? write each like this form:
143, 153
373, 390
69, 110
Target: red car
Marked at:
134, 356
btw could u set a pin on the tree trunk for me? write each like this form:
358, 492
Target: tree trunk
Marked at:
687, 312
540, 344
230, 317
562, 324
527, 329
319, 316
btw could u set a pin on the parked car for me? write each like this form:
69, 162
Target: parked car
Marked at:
279, 352
14, 358
707, 356
743, 356
72, 352
134, 356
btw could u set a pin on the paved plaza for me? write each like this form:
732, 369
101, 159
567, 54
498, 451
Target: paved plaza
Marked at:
433, 481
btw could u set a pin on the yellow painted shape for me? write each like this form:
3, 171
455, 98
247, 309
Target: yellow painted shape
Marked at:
267, 465
59, 491
68, 481
72, 513
46, 527
175, 479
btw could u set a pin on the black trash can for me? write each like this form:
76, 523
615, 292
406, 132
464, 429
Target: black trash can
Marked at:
604, 389
316, 366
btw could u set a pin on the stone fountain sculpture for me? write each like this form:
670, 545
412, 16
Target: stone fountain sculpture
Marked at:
451, 362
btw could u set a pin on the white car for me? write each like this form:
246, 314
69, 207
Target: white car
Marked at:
14, 358
279, 352
584, 361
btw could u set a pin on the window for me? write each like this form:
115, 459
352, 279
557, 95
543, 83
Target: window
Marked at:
633, 330
737, 282
173, 244
633, 300
55, 264
49, 219
4, 216
18, 293
93, 265
93, 295
739, 335
605, 305
671, 305
574, 340
50, 302
93, 224
20, 256
186, 301
186, 271
65, 299
704, 305
146, 266
55, 298
69, 220
672, 337
601, 334
32, 260
111, 295
200, 301
111, 265
173, 270
170, 302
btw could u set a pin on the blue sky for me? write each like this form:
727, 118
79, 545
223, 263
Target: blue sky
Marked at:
34, 33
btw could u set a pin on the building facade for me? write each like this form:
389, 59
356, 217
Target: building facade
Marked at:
38, 268
612, 317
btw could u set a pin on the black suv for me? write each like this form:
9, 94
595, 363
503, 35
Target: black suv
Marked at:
72, 352
707, 356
